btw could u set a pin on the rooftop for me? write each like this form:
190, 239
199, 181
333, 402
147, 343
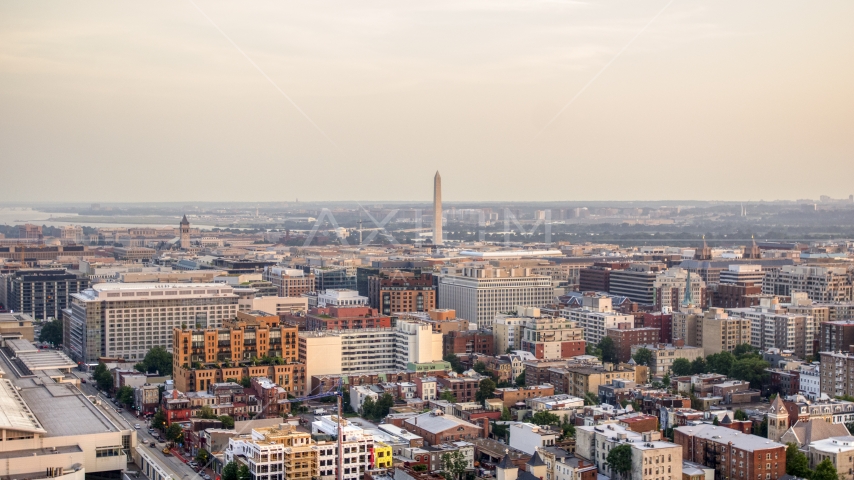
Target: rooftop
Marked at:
437, 422
726, 435
14, 412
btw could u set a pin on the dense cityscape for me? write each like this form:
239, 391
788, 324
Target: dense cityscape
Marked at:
693, 341
427, 240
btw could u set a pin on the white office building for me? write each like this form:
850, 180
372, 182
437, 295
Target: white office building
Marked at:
128, 319
744, 274
478, 294
408, 345
595, 317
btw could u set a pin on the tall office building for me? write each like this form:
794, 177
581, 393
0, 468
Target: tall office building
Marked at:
41, 293
480, 293
636, 282
290, 282
402, 292
437, 209
128, 319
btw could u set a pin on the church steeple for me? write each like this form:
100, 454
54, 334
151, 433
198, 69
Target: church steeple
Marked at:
778, 419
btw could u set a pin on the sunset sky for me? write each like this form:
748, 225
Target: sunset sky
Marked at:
341, 100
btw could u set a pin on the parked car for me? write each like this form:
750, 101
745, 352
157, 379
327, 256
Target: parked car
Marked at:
137, 426
152, 444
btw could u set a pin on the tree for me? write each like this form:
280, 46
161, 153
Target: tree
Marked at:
246, 382
796, 462
743, 349
227, 421
500, 430
202, 457
544, 417
125, 395
666, 380
750, 369
157, 360
158, 421
456, 365
174, 433
698, 366
368, 406
505, 414
480, 368
620, 459
243, 473
716, 421
103, 377
229, 471
52, 332
608, 349
419, 467
487, 387
206, 412
643, 356
448, 396
454, 465
720, 362
825, 471
520, 380
384, 404
740, 415
681, 367
568, 430
761, 430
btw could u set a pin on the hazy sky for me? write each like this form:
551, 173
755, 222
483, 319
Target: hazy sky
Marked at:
135, 101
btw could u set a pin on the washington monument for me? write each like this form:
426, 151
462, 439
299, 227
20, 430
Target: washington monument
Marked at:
437, 209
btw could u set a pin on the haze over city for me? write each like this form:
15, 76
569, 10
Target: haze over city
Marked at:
427, 240
155, 101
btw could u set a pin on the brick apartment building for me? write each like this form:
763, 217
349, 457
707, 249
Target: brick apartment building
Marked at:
464, 388
345, 318
734, 295
625, 338
662, 321
596, 278
732, 454
203, 357
397, 291
466, 343
836, 336
511, 396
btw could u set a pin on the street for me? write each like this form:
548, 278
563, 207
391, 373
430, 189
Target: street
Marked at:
127, 419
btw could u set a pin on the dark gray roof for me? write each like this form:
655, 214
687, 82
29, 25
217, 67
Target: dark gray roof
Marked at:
506, 462
536, 461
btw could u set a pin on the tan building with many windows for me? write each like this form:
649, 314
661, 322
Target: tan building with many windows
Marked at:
290, 282
720, 333
206, 356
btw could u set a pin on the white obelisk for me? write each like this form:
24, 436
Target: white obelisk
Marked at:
437, 209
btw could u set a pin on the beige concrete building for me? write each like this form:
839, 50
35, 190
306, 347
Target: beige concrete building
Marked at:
840, 452
291, 282
41, 439
721, 333
687, 326
663, 356
17, 323
652, 458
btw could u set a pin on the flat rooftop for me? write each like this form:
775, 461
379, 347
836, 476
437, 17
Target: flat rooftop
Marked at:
46, 360
14, 413
64, 411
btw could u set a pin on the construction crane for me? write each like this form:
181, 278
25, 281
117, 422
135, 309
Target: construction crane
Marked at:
337, 391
